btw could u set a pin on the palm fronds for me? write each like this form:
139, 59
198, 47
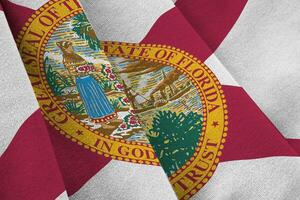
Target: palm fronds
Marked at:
84, 30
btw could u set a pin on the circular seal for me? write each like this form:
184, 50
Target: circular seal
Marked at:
143, 103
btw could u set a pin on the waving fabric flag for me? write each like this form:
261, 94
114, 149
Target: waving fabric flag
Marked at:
135, 105
259, 50
28, 168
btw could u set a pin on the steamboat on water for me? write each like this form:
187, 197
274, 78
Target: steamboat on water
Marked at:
163, 93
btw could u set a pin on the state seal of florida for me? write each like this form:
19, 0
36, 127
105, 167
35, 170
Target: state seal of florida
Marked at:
144, 103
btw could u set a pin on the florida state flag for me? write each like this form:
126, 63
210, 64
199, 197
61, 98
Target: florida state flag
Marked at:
127, 100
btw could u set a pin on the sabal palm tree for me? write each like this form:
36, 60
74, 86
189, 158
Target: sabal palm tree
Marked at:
83, 28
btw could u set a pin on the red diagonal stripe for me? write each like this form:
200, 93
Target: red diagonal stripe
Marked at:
38, 156
295, 143
16, 15
212, 19
76, 163
28, 168
172, 29
251, 134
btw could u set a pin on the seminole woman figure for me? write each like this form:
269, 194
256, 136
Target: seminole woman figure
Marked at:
97, 106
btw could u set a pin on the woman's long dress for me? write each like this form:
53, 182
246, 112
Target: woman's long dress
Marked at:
95, 102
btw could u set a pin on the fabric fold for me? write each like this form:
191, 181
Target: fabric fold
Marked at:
138, 106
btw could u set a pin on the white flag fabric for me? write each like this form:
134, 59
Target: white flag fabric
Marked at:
146, 100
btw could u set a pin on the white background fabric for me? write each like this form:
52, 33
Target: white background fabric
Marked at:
245, 54
124, 20
275, 178
17, 100
63, 196
124, 180
33, 4
262, 53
